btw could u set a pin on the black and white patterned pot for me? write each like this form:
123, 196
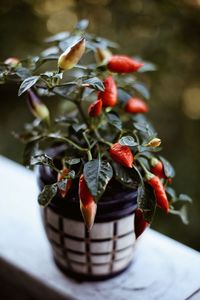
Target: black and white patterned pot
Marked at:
108, 248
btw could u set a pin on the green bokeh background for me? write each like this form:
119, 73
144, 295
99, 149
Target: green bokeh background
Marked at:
164, 32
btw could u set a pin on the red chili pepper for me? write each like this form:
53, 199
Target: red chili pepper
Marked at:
159, 191
139, 222
122, 155
95, 109
109, 95
158, 169
136, 105
123, 64
61, 176
88, 206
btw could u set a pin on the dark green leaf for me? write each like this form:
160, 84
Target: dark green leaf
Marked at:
66, 120
114, 120
72, 161
23, 73
42, 159
123, 96
70, 41
142, 89
64, 90
47, 194
171, 192
127, 177
27, 84
82, 24
50, 51
97, 174
78, 127
146, 131
95, 83
128, 141
168, 169
146, 202
62, 184
184, 198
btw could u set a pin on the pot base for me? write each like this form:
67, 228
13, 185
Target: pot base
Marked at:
86, 277
102, 253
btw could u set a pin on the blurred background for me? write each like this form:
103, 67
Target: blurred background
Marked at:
164, 32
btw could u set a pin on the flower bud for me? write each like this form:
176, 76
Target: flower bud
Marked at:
154, 143
13, 62
72, 55
102, 55
37, 108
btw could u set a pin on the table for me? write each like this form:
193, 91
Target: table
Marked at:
162, 268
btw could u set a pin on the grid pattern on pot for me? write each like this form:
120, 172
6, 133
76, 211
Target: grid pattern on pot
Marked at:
107, 249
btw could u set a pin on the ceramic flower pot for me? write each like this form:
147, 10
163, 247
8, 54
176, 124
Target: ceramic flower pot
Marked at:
108, 248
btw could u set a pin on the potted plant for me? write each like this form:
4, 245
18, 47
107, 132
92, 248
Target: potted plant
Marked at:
101, 175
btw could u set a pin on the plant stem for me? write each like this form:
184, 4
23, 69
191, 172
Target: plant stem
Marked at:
100, 139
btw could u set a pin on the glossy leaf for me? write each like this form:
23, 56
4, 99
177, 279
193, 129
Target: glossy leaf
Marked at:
73, 161
47, 194
146, 202
82, 24
168, 169
57, 37
128, 141
142, 89
27, 84
42, 159
95, 83
114, 120
97, 174
64, 90
127, 177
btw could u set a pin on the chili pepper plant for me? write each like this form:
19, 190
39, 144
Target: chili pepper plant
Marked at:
106, 132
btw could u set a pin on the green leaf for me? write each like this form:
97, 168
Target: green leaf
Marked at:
142, 89
57, 37
71, 40
127, 177
146, 131
78, 127
114, 120
147, 67
72, 161
66, 120
171, 192
23, 73
42, 159
65, 90
47, 194
168, 169
82, 24
123, 96
184, 198
97, 174
95, 83
27, 84
128, 141
146, 202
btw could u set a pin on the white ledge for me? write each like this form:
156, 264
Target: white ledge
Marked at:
162, 268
